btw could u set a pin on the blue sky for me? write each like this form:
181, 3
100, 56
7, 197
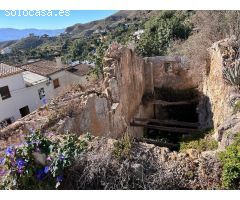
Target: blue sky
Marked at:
49, 22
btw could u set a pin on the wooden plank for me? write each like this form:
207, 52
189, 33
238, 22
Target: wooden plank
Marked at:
168, 103
169, 122
165, 128
156, 142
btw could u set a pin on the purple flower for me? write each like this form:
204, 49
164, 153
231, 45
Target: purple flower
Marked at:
20, 171
46, 169
60, 178
2, 172
61, 157
9, 151
49, 158
44, 101
40, 174
20, 163
2, 161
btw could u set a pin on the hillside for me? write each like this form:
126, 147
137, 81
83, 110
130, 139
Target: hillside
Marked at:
111, 21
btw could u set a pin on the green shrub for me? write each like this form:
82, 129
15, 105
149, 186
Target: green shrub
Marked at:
200, 142
122, 147
200, 145
39, 163
232, 74
161, 30
231, 165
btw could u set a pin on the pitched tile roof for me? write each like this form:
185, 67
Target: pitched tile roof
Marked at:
80, 69
43, 67
7, 70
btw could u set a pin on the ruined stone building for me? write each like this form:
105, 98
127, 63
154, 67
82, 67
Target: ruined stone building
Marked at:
137, 94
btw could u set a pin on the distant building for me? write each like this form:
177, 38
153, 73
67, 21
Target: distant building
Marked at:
138, 33
6, 50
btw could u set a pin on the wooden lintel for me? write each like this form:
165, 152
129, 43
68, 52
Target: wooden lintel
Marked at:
165, 128
169, 122
168, 103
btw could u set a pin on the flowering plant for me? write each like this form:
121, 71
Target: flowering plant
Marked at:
39, 163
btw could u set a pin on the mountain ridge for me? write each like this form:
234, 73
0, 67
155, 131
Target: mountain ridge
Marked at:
8, 34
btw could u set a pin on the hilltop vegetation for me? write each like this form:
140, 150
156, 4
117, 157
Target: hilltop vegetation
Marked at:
151, 33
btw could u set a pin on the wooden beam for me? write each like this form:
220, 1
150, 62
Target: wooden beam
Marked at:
168, 103
156, 142
165, 128
169, 122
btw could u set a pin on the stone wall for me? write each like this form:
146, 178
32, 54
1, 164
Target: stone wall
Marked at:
220, 95
105, 108
167, 71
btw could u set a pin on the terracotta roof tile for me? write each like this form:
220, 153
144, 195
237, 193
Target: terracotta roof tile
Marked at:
43, 67
7, 70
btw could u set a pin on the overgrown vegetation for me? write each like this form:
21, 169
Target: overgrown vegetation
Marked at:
231, 74
208, 27
201, 144
161, 30
231, 165
122, 147
39, 163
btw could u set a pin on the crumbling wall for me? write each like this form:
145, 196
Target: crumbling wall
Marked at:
125, 84
105, 108
220, 94
168, 71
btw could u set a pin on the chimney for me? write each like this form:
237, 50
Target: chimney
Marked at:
59, 62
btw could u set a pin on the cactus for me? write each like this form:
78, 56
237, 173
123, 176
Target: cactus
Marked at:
232, 74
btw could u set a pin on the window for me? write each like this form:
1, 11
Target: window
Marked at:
56, 83
167, 67
5, 122
41, 93
24, 111
5, 93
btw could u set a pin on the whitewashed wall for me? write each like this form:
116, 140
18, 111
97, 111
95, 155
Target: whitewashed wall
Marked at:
20, 96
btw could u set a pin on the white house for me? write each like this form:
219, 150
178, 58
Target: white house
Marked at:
20, 93
26, 88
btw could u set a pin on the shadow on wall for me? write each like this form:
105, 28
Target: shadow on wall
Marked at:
178, 114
